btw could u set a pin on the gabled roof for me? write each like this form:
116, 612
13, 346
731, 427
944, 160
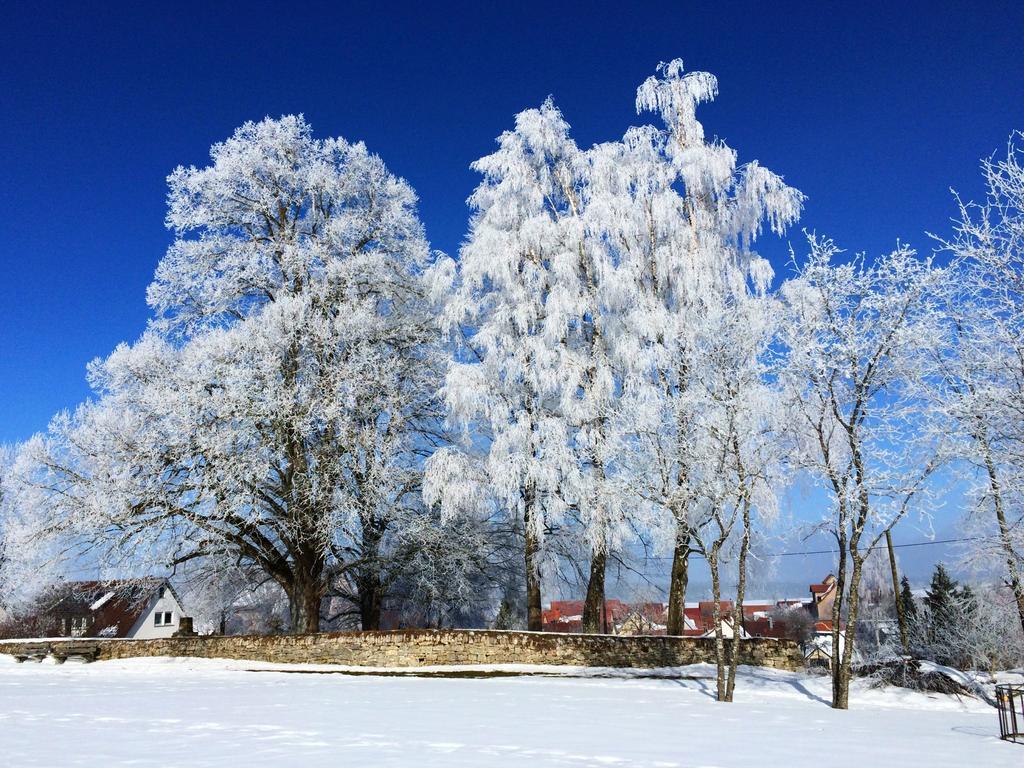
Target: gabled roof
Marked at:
827, 584
110, 608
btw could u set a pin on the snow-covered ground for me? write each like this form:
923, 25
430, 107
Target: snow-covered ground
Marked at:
163, 712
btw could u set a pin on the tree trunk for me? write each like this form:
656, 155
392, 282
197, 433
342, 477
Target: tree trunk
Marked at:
595, 619
841, 686
370, 604
837, 612
678, 581
368, 575
716, 614
1012, 570
534, 615
737, 611
304, 605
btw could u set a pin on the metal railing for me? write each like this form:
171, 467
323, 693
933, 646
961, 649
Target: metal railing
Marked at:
1010, 703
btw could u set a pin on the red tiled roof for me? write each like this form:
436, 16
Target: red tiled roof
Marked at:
567, 615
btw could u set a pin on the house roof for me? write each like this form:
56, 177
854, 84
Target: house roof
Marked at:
111, 608
827, 584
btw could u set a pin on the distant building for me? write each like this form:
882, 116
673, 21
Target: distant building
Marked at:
141, 608
807, 621
567, 615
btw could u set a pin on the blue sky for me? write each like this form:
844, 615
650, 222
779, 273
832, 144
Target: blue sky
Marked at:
873, 111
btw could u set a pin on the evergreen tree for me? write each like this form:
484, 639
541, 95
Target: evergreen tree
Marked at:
907, 601
941, 600
507, 617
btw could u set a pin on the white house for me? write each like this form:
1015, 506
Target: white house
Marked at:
140, 608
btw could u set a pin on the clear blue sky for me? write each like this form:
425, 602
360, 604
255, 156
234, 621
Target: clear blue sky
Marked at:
874, 111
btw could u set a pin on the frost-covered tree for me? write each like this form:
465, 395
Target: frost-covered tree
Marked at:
979, 396
967, 628
683, 221
6, 511
907, 600
508, 383
941, 600
276, 411
581, 290
735, 463
857, 337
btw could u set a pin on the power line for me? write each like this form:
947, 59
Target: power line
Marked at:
882, 546
869, 549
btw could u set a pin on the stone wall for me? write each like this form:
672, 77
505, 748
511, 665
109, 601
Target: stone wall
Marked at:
415, 648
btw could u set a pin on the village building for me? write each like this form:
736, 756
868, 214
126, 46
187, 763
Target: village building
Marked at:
806, 620
139, 608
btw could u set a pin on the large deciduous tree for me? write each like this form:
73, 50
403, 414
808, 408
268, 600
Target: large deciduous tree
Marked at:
275, 411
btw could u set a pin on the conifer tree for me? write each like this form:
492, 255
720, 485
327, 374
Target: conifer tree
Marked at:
941, 600
906, 598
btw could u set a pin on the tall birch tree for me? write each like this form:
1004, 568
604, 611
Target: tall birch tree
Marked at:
691, 217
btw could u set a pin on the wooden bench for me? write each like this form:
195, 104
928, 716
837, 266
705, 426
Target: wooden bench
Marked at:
61, 652
34, 651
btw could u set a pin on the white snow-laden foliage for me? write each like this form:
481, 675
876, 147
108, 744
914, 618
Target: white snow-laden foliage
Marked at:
275, 411
858, 337
525, 239
6, 514
580, 297
687, 216
978, 395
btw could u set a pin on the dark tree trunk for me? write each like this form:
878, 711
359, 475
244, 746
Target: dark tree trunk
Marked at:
841, 687
678, 581
1012, 559
304, 605
837, 613
368, 579
901, 616
370, 603
595, 617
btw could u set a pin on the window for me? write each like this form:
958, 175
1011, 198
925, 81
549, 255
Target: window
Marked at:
162, 618
167, 617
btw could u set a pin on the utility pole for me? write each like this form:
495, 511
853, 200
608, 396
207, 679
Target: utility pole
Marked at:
900, 615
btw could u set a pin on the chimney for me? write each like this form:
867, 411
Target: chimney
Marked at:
185, 627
